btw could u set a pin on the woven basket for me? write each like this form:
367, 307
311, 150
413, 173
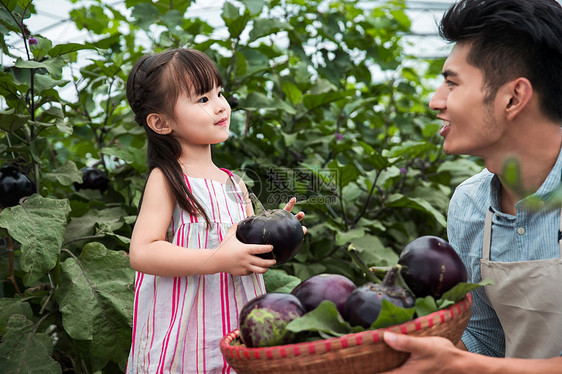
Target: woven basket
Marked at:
363, 352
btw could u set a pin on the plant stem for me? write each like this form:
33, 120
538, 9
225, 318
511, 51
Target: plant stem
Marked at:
11, 277
362, 265
259, 206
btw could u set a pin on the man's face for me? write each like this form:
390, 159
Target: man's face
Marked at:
470, 125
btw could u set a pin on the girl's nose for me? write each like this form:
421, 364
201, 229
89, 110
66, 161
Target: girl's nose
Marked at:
439, 99
222, 104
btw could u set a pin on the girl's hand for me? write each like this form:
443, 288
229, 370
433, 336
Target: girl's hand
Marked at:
237, 258
300, 215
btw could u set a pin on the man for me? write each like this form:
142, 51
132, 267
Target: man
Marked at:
501, 99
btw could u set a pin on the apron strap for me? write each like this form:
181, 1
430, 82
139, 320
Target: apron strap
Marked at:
560, 233
488, 234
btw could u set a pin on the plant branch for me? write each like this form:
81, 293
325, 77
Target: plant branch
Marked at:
366, 205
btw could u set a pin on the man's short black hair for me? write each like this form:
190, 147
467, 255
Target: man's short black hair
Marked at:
510, 39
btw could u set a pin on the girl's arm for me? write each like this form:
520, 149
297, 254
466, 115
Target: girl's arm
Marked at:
150, 253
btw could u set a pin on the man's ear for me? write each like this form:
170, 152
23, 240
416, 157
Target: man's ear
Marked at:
158, 124
520, 92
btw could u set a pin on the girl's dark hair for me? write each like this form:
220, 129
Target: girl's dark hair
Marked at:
510, 39
153, 86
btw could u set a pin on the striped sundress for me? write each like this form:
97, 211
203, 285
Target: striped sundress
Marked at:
178, 322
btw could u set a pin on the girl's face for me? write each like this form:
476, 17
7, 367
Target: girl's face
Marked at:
202, 119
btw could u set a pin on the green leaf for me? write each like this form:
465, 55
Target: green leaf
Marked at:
267, 26
38, 224
345, 174
61, 49
65, 174
398, 200
425, 306
24, 350
458, 292
45, 82
347, 236
9, 307
254, 6
373, 251
311, 101
41, 49
511, 175
96, 300
277, 280
234, 21
325, 319
391, 314
54, 66
95, 222
135, 157
11, 121
292, 92
411, 149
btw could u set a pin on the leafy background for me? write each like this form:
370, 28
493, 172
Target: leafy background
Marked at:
312, 117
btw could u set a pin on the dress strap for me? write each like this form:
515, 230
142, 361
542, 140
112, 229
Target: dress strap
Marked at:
231, 175
227, 172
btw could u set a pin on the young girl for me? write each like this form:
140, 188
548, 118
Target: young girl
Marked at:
193, 275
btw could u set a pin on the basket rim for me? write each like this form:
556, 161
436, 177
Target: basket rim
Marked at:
345, 341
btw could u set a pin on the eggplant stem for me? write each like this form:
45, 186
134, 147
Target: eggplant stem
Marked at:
258, 205
362, 265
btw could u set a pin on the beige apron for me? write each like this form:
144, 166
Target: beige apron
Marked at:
527, 297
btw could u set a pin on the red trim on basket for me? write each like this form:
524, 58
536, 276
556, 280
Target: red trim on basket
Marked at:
269, 353
442, 316
311, 348
328, 346
429, 322
359, 339
296, 350
283, 352
344, 342
257, 353
375, 336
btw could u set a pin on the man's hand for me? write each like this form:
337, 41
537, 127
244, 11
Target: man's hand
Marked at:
428, 354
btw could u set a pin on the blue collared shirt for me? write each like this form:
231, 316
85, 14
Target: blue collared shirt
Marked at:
528, 235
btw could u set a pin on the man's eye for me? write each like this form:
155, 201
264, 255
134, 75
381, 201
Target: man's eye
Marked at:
203, 100
450, 83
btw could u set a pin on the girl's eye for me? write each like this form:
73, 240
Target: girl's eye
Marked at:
204, 99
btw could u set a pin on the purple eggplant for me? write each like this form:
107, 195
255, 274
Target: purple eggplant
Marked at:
333, 287
263, 319
431, 267
276, 227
